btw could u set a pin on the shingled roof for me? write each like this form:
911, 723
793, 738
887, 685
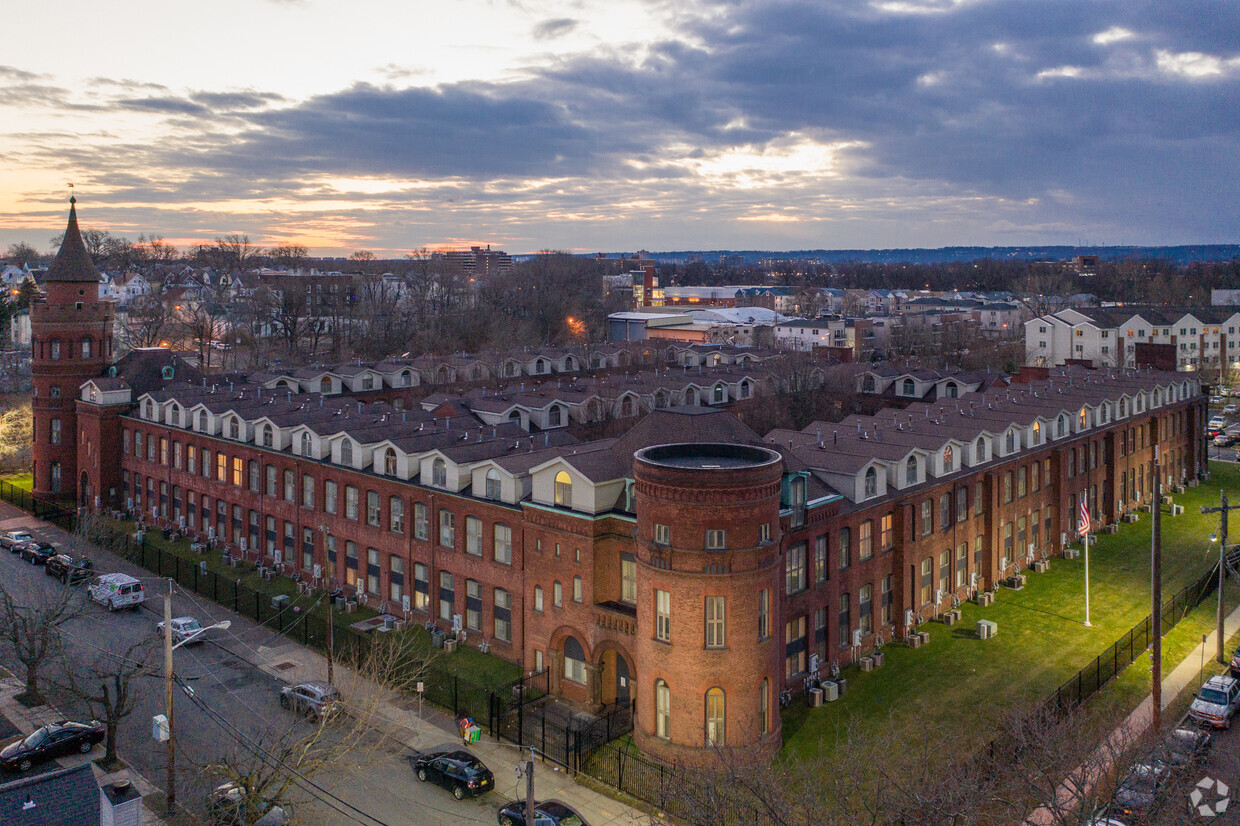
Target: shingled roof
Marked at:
72, 262
51, 799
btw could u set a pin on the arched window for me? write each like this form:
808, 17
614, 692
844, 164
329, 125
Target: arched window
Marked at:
307, 445
406, 378
176, 414
564, 489
951, 390
716, 734
1011, 441
554, 416
147, 410
325, 386
720, 394
1123, 407
1037, 433
979, 450
439, 473
662, 710
867, 385
909, 388
494, 485
1061, 425
574, 660
202, 421
86, 347
910, 471
1084, 417
871, 483
346, 452
234, 429
540, 366
947, 458
389, 462
167, 372
268, 436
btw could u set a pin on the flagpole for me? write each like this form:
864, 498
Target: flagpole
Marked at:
1085, 508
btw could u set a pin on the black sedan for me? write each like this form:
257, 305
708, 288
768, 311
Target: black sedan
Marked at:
49, 742
457, 771
547, 813
37, 553
70, 569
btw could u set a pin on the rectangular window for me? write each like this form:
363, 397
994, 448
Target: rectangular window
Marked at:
221, 467
329, 497
503, 544
865, 616
1035, 476
396, 579
473, 605
421, 521
503, 616
945, 571
396, 514
350, 502
1007, 545
715, 622
628, 579
962, 564
843, 623
163, 451
979, 499
764, 613
885, 599
927, 580
372, 571
206, 464
473, 535
446, 595
945, 512
663, 616
865, 541
845, 546
270, 489
662, 534
447, 528
350, 562
716, 540
238, 471
307, 490
927, 517
290, 486
794, 647
794, 569
962, 504
821, 572
820, 632
373, 512
1022, 482
176, 455
886, 534
1007, 487
137, 438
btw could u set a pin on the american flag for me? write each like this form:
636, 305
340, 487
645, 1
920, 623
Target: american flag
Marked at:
1082, 522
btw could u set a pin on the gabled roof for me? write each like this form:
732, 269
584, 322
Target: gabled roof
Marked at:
59, 797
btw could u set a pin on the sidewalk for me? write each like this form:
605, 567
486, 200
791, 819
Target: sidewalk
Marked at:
27, 720
294, 663
1137, 723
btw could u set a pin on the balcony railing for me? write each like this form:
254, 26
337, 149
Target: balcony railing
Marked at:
616, 616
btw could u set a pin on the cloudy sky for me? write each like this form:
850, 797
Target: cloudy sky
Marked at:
624, 124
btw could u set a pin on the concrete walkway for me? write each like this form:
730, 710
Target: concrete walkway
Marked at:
429, 727
27, 719
1137, 724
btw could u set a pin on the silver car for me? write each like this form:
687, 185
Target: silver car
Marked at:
184, 630
1216, 702
13, 540
314, 699
227, 804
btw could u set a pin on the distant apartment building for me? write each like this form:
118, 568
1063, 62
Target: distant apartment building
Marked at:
849, 339
479, 261
1204, 338
646, 289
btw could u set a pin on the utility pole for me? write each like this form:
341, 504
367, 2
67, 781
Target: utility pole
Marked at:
170, 794
1222, 563
331, 636
1156, 592
529, 788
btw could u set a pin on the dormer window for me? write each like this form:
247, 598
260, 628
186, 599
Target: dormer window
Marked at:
406, 378
1061, 426
1084, 417
325, 386
909, 387
1011, 441
494, 488
1123, 407
234, 429
389, 462
306, 444
951, 390
867, 385
368, 382
202, 421
979, 450
871, 483
146, 410
564, 489
167, 373
947, 458
268, 436
439, 473
910, 471
346, 452
1037, 433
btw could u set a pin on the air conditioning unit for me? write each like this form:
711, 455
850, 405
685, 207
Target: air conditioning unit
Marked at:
815, 697
830, 691
449, 645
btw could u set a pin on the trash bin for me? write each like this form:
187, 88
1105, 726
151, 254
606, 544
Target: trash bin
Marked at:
842, 683
437, 639
815, 697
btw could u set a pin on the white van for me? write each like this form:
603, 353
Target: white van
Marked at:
117, 591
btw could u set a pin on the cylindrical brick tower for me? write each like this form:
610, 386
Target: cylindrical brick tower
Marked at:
708, 583
71, 335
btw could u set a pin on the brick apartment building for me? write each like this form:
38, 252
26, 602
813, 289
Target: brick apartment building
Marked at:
690, 566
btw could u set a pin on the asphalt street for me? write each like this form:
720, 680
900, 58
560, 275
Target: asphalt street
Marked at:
226, 678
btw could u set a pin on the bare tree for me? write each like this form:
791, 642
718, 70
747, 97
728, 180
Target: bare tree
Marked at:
31, 633
289, 256
108, 686
148, 316
272, 768
23, 253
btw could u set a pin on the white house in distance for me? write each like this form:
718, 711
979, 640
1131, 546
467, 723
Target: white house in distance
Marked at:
1203, 337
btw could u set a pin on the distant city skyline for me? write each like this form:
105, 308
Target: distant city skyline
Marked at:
625, 125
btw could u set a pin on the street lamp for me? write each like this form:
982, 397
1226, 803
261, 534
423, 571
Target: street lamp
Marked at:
170, 793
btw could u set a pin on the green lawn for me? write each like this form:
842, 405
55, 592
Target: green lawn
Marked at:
25, 481
962, 683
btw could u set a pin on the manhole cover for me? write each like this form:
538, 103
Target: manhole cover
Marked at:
284, 666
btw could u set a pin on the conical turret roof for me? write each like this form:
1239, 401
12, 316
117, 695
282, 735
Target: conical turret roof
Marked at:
72, 262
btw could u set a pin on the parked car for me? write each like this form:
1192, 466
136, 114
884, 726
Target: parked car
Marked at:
184, 630
1139, 788
1216, 424
547, 813
227, 804
1234, 668
1223, 440
13, 540
315, 699
1216, 702
1183, 747
458, 771
72, 570
1230, 410
36, 552
117, 591
51, 741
